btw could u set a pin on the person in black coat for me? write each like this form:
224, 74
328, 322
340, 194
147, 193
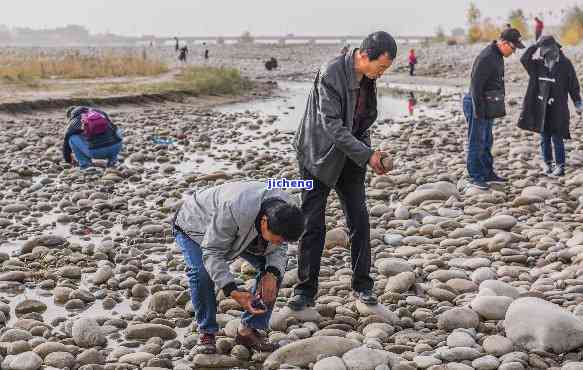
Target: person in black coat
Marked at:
546, 106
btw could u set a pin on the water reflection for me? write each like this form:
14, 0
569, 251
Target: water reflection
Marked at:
411, 103
288, 108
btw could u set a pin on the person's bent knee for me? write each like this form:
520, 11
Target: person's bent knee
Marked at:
75, 140
116, 149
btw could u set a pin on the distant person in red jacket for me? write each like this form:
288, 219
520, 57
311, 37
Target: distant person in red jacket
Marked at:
538, 28
412, 62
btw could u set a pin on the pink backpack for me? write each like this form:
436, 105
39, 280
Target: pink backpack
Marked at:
94, 123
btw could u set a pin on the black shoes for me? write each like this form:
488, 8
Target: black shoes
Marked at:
366, 296
495, 178
482, 185
299, 302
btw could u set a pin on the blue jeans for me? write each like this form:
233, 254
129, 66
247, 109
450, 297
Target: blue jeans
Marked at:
547, 148
202, 288
480, 163
80, 147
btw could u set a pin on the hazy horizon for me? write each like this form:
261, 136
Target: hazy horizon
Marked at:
300, 17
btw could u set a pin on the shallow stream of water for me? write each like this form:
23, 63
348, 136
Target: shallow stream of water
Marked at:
289, 105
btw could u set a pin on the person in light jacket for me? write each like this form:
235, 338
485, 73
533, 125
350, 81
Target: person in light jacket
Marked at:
216, 225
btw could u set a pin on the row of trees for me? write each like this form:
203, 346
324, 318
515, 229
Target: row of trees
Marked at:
572, 28
75, 34
486, 29
72, 33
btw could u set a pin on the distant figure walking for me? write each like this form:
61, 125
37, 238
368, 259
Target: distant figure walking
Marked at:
271, 64
412, 62
183, 54
177, 44
206, 51
538, 28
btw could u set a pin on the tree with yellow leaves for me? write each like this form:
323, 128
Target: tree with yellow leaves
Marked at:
517, 20
473, 16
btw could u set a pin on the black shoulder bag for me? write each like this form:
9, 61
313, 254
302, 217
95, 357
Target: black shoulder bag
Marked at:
495, 106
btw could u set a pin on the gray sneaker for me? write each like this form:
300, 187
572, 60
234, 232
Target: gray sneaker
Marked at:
559, 171
366, 296
482, 185
548, 168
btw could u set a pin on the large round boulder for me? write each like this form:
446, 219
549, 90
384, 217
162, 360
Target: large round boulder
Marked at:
536, 324
305, 351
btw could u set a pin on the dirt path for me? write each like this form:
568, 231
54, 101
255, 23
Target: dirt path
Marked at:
69, 89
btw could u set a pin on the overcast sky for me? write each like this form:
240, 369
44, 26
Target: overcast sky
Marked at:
276, 17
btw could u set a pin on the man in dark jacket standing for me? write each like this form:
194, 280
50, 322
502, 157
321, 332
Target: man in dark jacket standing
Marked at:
333, 149
486, 102
546, 104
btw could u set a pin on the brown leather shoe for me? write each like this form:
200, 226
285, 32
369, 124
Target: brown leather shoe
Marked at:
255, 341
206, 344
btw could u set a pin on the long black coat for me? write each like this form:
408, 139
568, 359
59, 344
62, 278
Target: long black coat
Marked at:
537, 115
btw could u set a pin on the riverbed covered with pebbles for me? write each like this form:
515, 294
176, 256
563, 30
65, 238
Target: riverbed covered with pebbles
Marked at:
90, 277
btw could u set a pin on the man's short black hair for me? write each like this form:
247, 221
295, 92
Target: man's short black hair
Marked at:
285, 220
379, 43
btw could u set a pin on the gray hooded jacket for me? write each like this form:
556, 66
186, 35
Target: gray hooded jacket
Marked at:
221, 220
324, 137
